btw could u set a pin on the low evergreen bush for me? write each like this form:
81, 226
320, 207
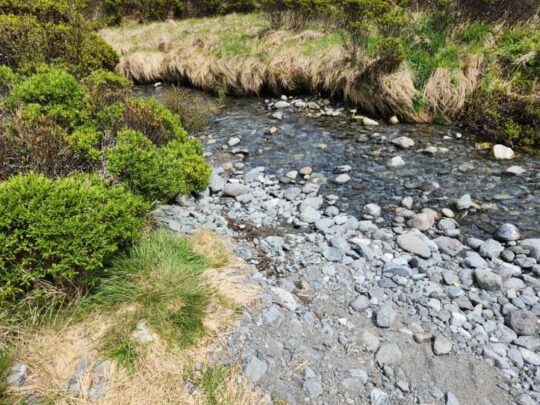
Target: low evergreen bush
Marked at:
60, 232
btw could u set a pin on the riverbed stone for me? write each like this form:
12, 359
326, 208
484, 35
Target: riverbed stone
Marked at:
235, 189
372, 210
507, 233
502, 152
389, 354
523, 322
386, 316
464, 202
422, 221
403, 142
413, 243
442, 345
491, 249
533, 245
313, 388
449, 246
395, 162
342, 178
256, 369
488, 280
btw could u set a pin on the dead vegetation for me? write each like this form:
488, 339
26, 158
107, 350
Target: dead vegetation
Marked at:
240, 55
163, 372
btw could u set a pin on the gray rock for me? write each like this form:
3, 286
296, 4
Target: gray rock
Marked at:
451, 399
379, 397
395, 162
403, 142
487, 280
442, 345
474, 260
389, 354
413, 243
386, 316
491, 249
368, 341
464, 202
530, 357
98, 390
216, 183
534, 247
233, 141
272, 245
281, 104
235, 189
507, 232
372, 210
310, 215
256, 369
284, 299
422, 221
313, 388
449, 246
142, 334
17, 375
342, 179
333, 254
523, 322
360, 303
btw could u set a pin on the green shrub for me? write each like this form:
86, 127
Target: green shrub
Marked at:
8, 78
22, 40
298, 12
32, 33
39, 145
158, 173
53, 93
63, 231
152, 119
105, 87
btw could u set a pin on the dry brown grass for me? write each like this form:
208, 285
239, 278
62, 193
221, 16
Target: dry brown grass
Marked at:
240, 55
52, 352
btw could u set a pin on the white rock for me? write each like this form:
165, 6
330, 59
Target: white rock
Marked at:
281, 104
368, 122
395, 162
233, 141
403, 142
515, 170
503, 152
393, 120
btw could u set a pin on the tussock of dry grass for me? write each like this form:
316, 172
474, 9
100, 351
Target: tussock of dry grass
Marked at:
52, 352
240, 55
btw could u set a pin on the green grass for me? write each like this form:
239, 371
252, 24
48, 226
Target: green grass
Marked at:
159, 280
211, 382
5, 365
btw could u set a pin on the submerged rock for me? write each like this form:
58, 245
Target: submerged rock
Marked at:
507, 233
395, 162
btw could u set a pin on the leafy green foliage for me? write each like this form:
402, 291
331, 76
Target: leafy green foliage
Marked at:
8, 78
54, 93
159, 173
43, 31
63, 231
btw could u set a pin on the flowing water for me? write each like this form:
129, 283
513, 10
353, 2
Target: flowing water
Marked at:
432, 180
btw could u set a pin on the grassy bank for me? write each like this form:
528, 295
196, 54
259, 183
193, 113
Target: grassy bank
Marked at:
447, 71
155, 314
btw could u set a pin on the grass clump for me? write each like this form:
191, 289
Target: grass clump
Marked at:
160, 281
194, 111
60, 233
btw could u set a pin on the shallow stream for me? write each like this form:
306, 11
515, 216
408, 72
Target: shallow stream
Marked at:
433, 180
